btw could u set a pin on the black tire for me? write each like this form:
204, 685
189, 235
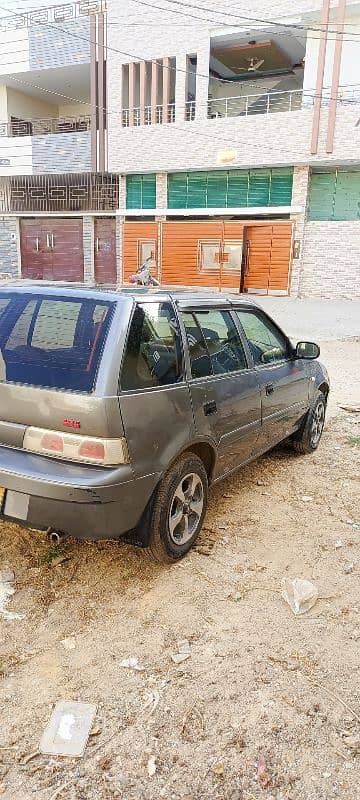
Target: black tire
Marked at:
186, 478
308, 437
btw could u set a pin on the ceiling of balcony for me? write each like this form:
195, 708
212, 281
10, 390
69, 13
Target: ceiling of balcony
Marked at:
52, 84
235, 54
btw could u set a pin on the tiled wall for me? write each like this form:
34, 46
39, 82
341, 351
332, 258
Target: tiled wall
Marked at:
59, 45
62, 152
9, 246
331, 260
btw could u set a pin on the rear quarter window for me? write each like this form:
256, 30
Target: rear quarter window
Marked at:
54, 342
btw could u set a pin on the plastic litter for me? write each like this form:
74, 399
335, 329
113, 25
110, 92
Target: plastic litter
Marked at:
68, 729
301, 595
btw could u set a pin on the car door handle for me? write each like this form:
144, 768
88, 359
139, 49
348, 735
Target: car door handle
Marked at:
210, 408
269, 388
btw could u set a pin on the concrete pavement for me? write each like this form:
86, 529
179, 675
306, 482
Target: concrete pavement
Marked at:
321, 320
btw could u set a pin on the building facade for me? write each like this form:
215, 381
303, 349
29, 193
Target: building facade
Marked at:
220, 142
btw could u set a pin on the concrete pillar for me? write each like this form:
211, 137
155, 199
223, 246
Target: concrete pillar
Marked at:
202, 85
119, 248
88, 245
166, 88
142, 91
299, 198
180, 89
161, 190
122, 192
131, 92
10, 247
154, 90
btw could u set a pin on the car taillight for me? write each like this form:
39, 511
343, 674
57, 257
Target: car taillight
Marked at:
86, 449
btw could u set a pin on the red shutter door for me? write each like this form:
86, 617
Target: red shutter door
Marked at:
32, 247
66, 244
105, 250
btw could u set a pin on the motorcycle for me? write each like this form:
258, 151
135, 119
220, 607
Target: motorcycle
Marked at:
143, 276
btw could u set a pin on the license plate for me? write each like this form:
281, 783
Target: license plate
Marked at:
2, 497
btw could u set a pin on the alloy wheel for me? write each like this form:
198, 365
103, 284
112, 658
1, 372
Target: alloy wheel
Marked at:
186, 509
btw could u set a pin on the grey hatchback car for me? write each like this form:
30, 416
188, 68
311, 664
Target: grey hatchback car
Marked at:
118, 409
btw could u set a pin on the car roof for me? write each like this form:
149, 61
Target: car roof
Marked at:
185, 297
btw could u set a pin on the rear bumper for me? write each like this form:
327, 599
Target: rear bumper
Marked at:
86, 502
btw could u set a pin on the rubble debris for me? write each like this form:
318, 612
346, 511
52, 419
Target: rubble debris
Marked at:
183, 653
300, 594
151, 766
7, 589
132, 663
68, 729
69, 643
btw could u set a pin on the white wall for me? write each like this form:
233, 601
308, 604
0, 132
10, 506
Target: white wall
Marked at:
24, 106
18, 150
3, 104
14, 51
350, 59
74, 109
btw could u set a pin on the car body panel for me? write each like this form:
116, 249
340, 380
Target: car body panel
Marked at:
158, 423
236, 424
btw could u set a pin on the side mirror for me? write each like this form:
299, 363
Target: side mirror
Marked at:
308, 350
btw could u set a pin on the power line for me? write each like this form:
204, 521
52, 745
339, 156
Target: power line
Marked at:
242, 17
118, 114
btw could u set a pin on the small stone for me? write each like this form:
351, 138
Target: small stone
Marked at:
355, 634
306, 498
68, 644
184, 646
338, 544
178, 658
7, 576
349, 568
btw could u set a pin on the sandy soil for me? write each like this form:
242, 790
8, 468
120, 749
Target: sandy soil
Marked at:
267, 707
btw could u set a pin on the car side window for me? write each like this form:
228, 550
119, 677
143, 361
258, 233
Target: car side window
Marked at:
215, 347
153, 355
267, 344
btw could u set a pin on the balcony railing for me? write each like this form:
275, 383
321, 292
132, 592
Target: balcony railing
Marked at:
190, 108
149, 115
55, 13
41, 127
260, 103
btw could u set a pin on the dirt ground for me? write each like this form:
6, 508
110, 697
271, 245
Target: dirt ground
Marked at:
268, 705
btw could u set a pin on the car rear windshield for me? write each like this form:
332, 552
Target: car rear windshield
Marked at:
52, 342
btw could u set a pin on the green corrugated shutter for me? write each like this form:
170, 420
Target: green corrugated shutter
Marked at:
217, 189
259, 187
281, 187
321, 196
230, 188
148, 191
196, 195
347, 196
140, 191
177, 190
238, 188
